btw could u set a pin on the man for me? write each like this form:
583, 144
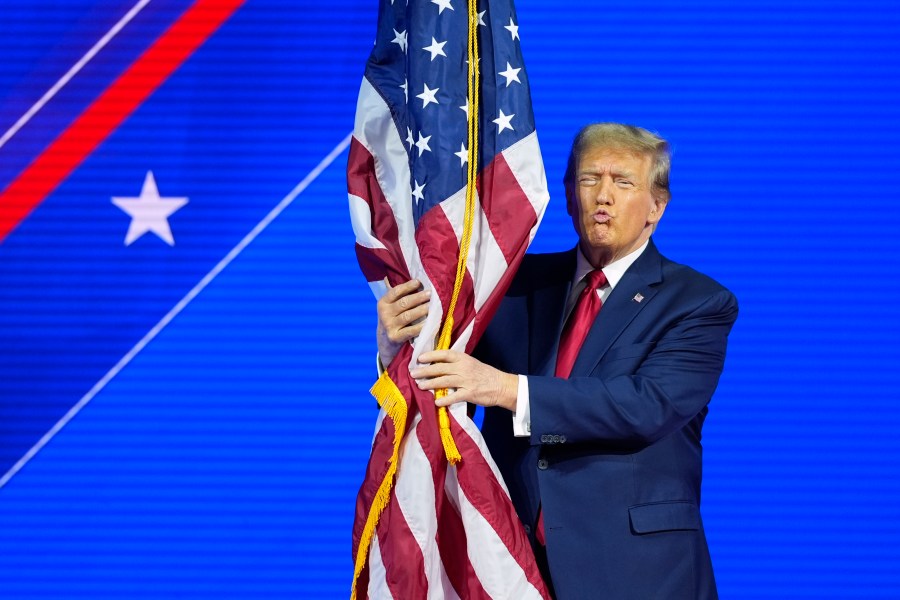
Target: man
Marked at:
594, 421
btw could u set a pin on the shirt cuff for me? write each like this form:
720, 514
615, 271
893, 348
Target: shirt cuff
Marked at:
522, 416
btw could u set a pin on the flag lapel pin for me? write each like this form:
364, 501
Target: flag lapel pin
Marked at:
637, 298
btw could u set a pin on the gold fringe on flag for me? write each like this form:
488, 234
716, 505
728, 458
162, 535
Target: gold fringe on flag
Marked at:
392, 401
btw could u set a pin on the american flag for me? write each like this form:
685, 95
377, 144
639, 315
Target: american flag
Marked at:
446, 531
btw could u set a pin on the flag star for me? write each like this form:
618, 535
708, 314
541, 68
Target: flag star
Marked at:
463, 155
511, 74
481, 18
465, 108
409, 138
405, 88
427, 96
513, 29
399, 39
442, 4
436, 49
503, 122
417, 192
149, 212
422, 142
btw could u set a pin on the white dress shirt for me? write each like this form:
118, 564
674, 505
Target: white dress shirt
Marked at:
613, 272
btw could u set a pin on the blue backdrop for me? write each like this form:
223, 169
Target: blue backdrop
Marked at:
220, 442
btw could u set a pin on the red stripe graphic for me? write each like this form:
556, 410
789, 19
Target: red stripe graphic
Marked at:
110, 109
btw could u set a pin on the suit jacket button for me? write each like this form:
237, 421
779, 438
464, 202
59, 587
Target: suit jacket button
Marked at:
556, 439
562, 439
528, 529
545, 438
543, 464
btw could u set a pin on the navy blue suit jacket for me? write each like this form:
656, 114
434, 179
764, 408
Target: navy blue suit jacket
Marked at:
614, 456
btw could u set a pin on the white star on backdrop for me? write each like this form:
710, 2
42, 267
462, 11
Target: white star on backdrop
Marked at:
436, 49
149, 212
427, 96
511, 74
503, 122
409, 138
481, 18
405, 88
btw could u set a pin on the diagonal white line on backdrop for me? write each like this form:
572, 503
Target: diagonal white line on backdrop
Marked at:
48, 95
123, 362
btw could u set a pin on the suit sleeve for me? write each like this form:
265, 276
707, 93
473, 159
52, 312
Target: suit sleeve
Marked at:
642, 397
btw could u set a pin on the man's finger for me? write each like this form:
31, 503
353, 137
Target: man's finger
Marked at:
438, 356
414, 314
413, 300
411, 331
437, 383
429, 371
404, 289
450, 399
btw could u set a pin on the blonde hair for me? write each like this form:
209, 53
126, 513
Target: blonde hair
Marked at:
625, 137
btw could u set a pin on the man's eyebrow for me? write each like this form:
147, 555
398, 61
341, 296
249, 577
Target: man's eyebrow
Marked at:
614, 173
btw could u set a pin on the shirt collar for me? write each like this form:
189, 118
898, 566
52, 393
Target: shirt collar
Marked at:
613, 270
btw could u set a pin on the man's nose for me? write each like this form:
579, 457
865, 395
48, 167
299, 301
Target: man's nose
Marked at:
605, 192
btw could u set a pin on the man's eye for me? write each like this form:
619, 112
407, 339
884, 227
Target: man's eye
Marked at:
587, 181
624, 183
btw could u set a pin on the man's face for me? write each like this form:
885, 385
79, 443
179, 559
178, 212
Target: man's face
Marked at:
610, 203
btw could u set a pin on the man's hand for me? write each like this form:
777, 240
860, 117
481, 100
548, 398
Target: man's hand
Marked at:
401, 314
469, 379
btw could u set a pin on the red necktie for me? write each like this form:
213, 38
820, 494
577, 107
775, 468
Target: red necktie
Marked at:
579, 323
573, 336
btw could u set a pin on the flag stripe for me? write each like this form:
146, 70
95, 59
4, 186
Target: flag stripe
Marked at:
377, 233
508, 211
436, 240
418, 499
385, 190
110, 109
524, 162
483, 490
452, 540
401, 554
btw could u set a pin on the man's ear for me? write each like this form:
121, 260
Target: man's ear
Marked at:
656, 211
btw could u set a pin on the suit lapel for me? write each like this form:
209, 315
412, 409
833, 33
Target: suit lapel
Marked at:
631, 295
547, 305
